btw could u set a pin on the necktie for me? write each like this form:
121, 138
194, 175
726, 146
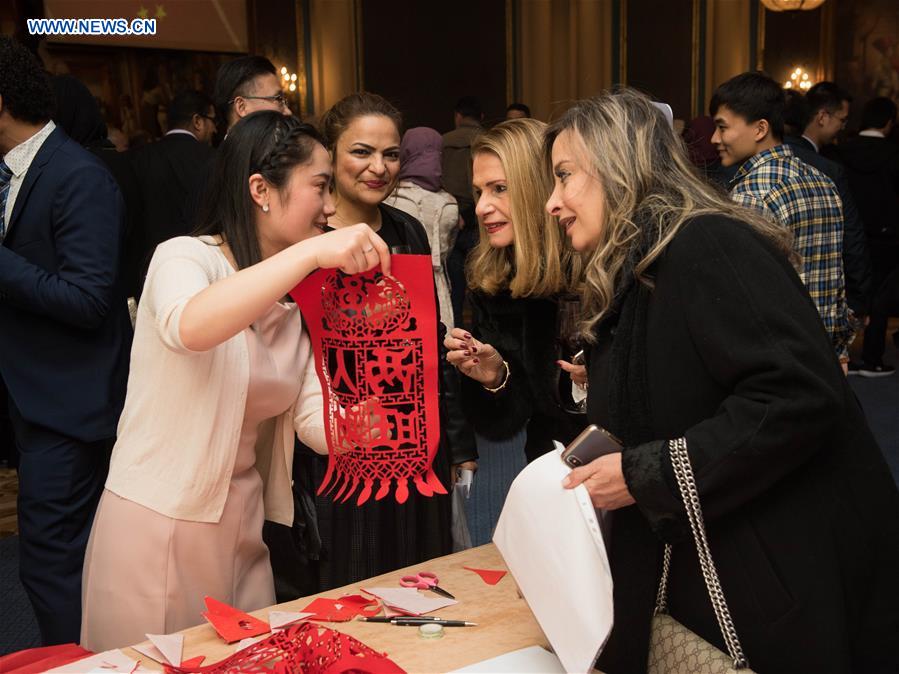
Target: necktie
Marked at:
5, 178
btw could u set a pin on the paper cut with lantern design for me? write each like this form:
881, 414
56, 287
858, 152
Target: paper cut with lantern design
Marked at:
376, 354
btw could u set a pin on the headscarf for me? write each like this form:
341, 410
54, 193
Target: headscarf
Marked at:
420, 154
78, 112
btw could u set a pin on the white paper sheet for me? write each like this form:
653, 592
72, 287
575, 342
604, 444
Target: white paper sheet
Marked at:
531, 660
551, 541
282, 619
409, 600
106, 662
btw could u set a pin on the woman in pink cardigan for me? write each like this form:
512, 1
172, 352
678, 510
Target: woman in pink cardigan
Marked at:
222, 377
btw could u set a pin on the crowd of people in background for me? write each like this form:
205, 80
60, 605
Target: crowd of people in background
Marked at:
585, 271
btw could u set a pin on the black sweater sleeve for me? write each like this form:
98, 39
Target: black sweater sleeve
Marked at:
499, 415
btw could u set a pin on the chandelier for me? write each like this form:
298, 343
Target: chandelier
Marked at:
791, 5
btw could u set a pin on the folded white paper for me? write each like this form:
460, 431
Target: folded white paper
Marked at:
279, 620
531, 660
408, 599
104, 663
551, 541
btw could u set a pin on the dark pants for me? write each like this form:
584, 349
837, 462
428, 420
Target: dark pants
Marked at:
60, 482
885, 304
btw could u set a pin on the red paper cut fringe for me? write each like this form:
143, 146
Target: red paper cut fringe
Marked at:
301, 649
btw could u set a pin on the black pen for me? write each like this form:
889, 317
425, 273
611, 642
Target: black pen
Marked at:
417, 620
408, 622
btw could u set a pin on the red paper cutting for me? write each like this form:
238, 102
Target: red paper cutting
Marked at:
193, 662
342, 609
231, 624
306, 649
376, 354
489, 577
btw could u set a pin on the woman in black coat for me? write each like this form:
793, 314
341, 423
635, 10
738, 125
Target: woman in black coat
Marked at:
518, 273
701, 328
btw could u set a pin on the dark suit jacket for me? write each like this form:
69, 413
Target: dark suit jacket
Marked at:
66, 335
856, 260
801, 510
170, 174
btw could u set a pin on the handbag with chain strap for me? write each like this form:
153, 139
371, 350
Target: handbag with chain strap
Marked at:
674, 649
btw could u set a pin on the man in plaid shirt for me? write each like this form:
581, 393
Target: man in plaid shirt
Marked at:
748, 114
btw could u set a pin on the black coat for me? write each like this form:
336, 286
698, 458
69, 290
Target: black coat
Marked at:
171, 173
523, 331
801, 510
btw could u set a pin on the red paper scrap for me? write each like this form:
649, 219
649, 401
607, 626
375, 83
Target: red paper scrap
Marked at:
342, 609
489, 577
231, 624
376, 354
193, 662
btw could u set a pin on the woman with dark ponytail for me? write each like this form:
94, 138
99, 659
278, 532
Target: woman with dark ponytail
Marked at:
222, 377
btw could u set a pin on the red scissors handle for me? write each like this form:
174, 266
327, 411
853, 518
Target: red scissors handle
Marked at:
423, 580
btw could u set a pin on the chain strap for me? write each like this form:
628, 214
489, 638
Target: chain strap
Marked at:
686, 484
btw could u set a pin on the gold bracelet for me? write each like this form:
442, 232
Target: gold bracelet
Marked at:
505, 380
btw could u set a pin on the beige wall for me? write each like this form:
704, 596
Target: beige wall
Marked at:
334, 51
727, 43
564, 52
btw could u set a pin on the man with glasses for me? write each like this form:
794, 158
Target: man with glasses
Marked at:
827, 106
170, 174
246, 85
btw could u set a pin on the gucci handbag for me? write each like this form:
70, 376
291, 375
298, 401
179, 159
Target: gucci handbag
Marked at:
673, 649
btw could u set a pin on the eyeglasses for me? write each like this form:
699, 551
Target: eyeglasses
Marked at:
211, 118
278, 98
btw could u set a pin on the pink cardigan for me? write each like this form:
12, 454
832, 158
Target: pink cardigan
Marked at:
180, 428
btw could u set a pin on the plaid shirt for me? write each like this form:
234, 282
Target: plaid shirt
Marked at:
789, 191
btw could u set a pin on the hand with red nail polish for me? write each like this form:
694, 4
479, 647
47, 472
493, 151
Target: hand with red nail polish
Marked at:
474, 359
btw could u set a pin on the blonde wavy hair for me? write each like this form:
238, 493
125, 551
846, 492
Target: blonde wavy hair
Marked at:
539, 262
650, 190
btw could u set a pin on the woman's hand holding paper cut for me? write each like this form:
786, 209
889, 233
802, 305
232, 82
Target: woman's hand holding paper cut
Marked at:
352, 250
474, 359
604, 481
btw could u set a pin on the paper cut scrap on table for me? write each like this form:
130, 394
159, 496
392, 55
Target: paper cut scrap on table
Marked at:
193, 662
307, 648
376, 354
489, 576
106, 662
409, 600
552, 544
165, 649
281, 619
342, 609
231, 624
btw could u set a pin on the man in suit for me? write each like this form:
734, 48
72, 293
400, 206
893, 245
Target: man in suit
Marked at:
856, 260
170, 173
872, 161
246, 85
66, 336
827, 109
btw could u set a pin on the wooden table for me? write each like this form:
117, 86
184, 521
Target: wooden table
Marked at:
505, 623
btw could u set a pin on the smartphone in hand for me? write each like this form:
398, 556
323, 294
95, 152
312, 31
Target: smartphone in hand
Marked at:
592, 443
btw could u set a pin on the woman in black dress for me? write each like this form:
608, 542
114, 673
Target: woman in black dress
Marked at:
520, 275
363, 134
701, 329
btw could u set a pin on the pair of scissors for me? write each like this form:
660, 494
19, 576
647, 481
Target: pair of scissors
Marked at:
425, 580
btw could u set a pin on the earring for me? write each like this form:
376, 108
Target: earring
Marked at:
265, 208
